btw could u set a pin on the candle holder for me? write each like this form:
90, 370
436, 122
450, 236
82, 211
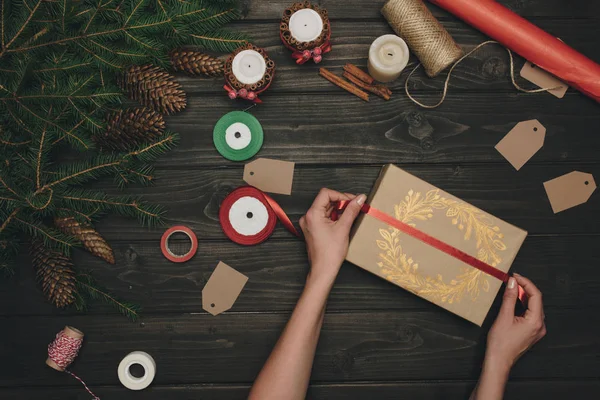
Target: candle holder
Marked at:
305, 30
248, 72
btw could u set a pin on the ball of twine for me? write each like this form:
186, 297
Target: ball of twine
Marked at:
425, 36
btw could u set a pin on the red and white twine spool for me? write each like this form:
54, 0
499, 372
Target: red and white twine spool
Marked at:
63, 350
248, 216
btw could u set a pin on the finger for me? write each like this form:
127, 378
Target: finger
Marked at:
509, 300
331, 206
352, 211
302, 223
535, 307
326, 197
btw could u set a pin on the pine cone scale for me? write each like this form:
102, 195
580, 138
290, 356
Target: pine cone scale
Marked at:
153, 87
55, 273
87, 235
196, 63
131, 127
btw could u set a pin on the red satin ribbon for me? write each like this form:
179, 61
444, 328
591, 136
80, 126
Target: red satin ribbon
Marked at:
433, 242
274, 211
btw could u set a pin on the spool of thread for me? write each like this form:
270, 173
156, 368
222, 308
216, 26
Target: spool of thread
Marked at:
63, 350
425, 36
143, 359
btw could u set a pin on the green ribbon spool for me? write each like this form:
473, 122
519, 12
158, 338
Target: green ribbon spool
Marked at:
238, 136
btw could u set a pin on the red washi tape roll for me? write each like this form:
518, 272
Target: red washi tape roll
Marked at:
164, 244
246, 216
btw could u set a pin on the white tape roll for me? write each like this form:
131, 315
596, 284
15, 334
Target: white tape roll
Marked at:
238, 136
248, 216
131, 382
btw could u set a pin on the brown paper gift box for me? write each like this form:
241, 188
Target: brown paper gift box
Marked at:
422, 269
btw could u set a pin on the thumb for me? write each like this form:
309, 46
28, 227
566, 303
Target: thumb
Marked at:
509, 300
352, 211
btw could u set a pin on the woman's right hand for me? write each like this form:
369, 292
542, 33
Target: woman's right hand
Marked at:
511, 336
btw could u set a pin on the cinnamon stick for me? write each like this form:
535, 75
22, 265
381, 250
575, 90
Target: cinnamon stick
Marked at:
379, 90
338, 81
359, 73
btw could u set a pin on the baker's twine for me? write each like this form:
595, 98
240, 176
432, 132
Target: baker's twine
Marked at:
426, 37
445, 91
63, 350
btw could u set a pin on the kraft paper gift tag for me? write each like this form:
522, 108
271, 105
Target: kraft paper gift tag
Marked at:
222, 289
543, 79
522, 142
569, 190
273, 176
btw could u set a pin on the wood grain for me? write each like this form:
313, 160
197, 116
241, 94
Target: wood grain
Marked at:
356, 346
487, 69
560, 266
261, 10
425, 390
193, 196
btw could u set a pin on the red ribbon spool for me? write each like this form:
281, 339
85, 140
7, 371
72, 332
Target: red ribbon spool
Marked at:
164, 244
251, 203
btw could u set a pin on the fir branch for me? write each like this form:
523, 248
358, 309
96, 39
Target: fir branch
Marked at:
7, 220
10, 42
88, 284
50, 237
86, 171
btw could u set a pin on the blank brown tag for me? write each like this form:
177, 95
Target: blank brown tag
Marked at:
522, 142
222, 289
543, 79
569, 190
273, 176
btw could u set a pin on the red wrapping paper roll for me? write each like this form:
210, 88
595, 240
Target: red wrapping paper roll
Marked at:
531, 42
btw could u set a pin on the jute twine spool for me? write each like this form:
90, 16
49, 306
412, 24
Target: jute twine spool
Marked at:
425, 36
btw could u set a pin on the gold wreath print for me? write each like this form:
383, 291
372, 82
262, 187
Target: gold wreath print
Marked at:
399, 268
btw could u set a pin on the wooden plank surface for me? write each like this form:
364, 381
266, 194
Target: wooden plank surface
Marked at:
357, 346
433, 390
378, 341
560, 266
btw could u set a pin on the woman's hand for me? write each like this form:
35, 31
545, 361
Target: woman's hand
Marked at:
511, 336
327, 240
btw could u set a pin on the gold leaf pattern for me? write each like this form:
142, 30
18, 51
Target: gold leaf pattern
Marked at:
399, 268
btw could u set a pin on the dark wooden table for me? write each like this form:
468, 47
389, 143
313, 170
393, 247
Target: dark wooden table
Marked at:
378, 341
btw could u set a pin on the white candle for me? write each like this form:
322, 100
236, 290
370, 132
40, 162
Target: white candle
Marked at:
248, 66
388, 56
305, 25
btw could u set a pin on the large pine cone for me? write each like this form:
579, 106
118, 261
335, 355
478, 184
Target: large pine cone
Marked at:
129, 128
153, 87
91, 240
196, 63
55, 273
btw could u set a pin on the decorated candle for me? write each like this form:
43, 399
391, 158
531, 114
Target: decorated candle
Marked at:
306, 25
388, 56
248, 66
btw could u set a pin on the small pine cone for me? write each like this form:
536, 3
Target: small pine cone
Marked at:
196, 63
92, 241
55, 273
129, 128
153, 87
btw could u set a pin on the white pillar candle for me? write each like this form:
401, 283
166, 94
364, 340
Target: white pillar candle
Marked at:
388, 56
248, 66
305, 25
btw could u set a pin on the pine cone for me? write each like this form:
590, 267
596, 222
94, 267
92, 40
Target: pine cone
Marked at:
153, 87
196, 63
92, 241
129, 128
55, 272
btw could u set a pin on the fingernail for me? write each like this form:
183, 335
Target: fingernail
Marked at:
511, 282
515, 274
361, 199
